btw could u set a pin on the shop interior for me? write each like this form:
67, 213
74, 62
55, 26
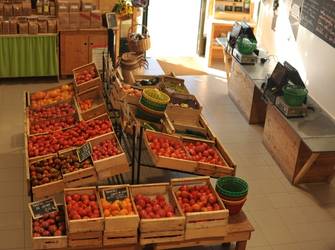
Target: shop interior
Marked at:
193, 124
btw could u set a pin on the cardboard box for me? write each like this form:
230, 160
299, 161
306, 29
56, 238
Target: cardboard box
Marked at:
85, 19
96, 19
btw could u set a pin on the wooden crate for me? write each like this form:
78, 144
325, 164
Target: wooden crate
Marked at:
163, 229
114, 98
85, 239
171, 79
214, 170
98, 107
89, 84
82, 177
120, 230
47, 189
114, 165
123, 96
29, 95
192, 110
49, 242
203, 224
83, 225
169, 162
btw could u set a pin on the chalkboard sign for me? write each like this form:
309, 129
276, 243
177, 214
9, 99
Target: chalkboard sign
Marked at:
84, 152
42, 207
116, 194
318, 16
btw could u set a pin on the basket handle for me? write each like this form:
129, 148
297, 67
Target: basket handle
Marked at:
137, 24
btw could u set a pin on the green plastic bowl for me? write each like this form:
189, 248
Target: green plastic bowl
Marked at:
294, 96
245, 46
231, 186
152, 105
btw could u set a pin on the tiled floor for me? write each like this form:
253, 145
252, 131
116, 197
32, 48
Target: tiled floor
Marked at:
285, 217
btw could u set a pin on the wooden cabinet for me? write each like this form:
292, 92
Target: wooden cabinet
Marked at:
76, 48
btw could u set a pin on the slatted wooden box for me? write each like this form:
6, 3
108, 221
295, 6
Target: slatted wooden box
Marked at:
98, 104
168, 162
113, 165
49, 242
164, 229
202, 224
81, 177
85, 240
120, 230
88, 84
83, 225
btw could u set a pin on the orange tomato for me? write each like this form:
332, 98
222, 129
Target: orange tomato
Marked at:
107, 213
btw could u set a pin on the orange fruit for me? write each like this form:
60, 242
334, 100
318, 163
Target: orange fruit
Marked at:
114, 207
124, 212
115, 213
107, 213
105, 204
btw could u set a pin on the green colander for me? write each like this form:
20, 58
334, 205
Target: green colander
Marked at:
231, 186
294, 95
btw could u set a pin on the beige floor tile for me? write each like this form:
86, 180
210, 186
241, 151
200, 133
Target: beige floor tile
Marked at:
316, 214
280, 200
303, 199
11, 188
303, 232
266, 186
292, 215
11, 204
329, 244
257, 202
293, 246
313, 245
12, 239
10, 174
325, 230
11, 221
259, 248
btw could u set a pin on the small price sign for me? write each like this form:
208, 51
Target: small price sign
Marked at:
116, 194
84, 152
42, 207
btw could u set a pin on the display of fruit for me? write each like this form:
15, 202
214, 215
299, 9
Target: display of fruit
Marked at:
167, 147
85, 104
43, 98
52, 224
52, 124
117, 207
82, 206
201, 151
69, 163
76, 136
44, 171
86, 75
197, 199
150, 208
129, 90
105, 149
175, 87
54, 111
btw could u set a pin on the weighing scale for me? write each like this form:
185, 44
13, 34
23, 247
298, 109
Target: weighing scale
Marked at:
289, 111
245, 59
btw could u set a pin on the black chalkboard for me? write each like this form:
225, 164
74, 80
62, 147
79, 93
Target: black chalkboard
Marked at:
318, 16
116, 194
39, 208
84, 152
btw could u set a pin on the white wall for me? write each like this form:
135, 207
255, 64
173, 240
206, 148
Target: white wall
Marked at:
173, 26
313, 58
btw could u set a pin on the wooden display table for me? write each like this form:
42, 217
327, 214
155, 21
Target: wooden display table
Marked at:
304, 148
239, 231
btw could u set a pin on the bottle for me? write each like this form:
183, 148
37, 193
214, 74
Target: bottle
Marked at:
46, 7
246, 6
39, 7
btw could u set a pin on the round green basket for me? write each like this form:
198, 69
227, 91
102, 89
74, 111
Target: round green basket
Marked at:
141, 114
231, 186
155, 98
294, 96
151, 105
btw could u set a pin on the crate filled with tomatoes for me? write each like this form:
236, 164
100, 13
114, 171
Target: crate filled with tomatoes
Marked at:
167, 151
86, 77
121, 218
108, 156
161, 219
205, 214
91, 103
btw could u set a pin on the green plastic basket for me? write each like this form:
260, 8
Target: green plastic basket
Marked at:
231, 186
294, 96
152, 105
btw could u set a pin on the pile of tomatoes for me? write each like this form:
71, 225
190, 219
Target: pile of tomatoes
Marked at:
167, 147
201, 151
106, 149
196, 199
86, 75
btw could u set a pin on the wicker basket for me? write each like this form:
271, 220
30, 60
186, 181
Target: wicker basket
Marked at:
138, 45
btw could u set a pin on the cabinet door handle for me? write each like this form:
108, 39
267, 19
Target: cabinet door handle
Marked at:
85, 43
91, 43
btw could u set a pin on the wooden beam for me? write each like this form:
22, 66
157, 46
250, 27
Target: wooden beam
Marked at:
305, 168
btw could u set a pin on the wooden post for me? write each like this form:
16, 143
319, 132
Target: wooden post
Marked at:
241, 245
305, 168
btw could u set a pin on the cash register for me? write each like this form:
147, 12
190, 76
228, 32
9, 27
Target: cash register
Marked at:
284, 76
242, 43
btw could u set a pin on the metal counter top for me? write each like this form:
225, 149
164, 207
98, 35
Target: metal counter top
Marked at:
317, 129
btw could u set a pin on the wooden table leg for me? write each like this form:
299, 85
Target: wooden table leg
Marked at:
305, 168
241, 245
